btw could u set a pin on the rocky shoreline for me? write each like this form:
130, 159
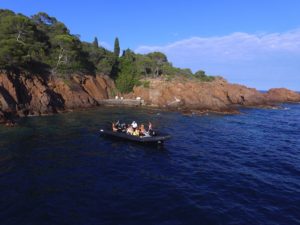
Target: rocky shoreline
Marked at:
217, 96
32, 96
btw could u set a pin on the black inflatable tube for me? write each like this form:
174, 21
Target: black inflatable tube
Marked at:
159, 138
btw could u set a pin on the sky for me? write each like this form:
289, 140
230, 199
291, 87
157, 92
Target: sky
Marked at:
251, 42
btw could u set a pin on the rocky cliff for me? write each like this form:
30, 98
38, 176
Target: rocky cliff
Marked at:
22, 95
218, 96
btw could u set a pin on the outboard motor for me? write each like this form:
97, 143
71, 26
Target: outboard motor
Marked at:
152, 133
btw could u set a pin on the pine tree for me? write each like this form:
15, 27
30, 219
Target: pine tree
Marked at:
127, 76
117, 47
95, 43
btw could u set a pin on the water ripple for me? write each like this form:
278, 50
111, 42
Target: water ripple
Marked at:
235, 169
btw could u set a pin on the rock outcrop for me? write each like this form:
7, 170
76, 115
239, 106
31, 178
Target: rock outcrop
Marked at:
2, 117
282, 95
218, 96
23, 95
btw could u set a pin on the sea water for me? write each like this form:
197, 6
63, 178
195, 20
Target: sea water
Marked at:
216, 169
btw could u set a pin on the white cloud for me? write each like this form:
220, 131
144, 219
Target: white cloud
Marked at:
241, 57
241, 46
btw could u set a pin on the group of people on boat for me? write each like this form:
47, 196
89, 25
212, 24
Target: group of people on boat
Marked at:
133, 129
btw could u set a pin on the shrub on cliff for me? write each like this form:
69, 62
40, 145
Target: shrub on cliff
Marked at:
156, 64
200, 75
127, 75
102, 59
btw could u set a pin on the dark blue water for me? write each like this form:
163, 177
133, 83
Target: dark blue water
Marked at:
236, 169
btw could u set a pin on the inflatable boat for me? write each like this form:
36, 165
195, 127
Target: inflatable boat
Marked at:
159, 138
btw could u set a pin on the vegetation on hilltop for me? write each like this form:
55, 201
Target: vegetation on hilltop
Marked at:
41, 45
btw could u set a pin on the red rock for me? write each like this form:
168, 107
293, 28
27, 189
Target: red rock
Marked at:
282, 95
218, 95
32, 95
2, 117
25, 95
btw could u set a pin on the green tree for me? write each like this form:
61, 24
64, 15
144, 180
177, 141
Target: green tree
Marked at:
158, 59
43, 19
144, 65
21, 42
104, 66
50, 25
69, 55
6, 12
101, 58
95, 42
200, 74
127, 76
65, 52
43, 42
117, 48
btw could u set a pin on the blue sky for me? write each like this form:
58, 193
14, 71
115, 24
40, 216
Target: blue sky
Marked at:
252, 42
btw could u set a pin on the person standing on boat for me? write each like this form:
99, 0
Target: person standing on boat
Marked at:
150, 126
151, 132
134, 124
136, 131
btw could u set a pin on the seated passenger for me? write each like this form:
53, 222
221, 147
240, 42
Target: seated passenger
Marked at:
118, 126
114, 128
129, 130
123, 127
136, 132
143, 131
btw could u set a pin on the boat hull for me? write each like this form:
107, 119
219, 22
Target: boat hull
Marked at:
159, 139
